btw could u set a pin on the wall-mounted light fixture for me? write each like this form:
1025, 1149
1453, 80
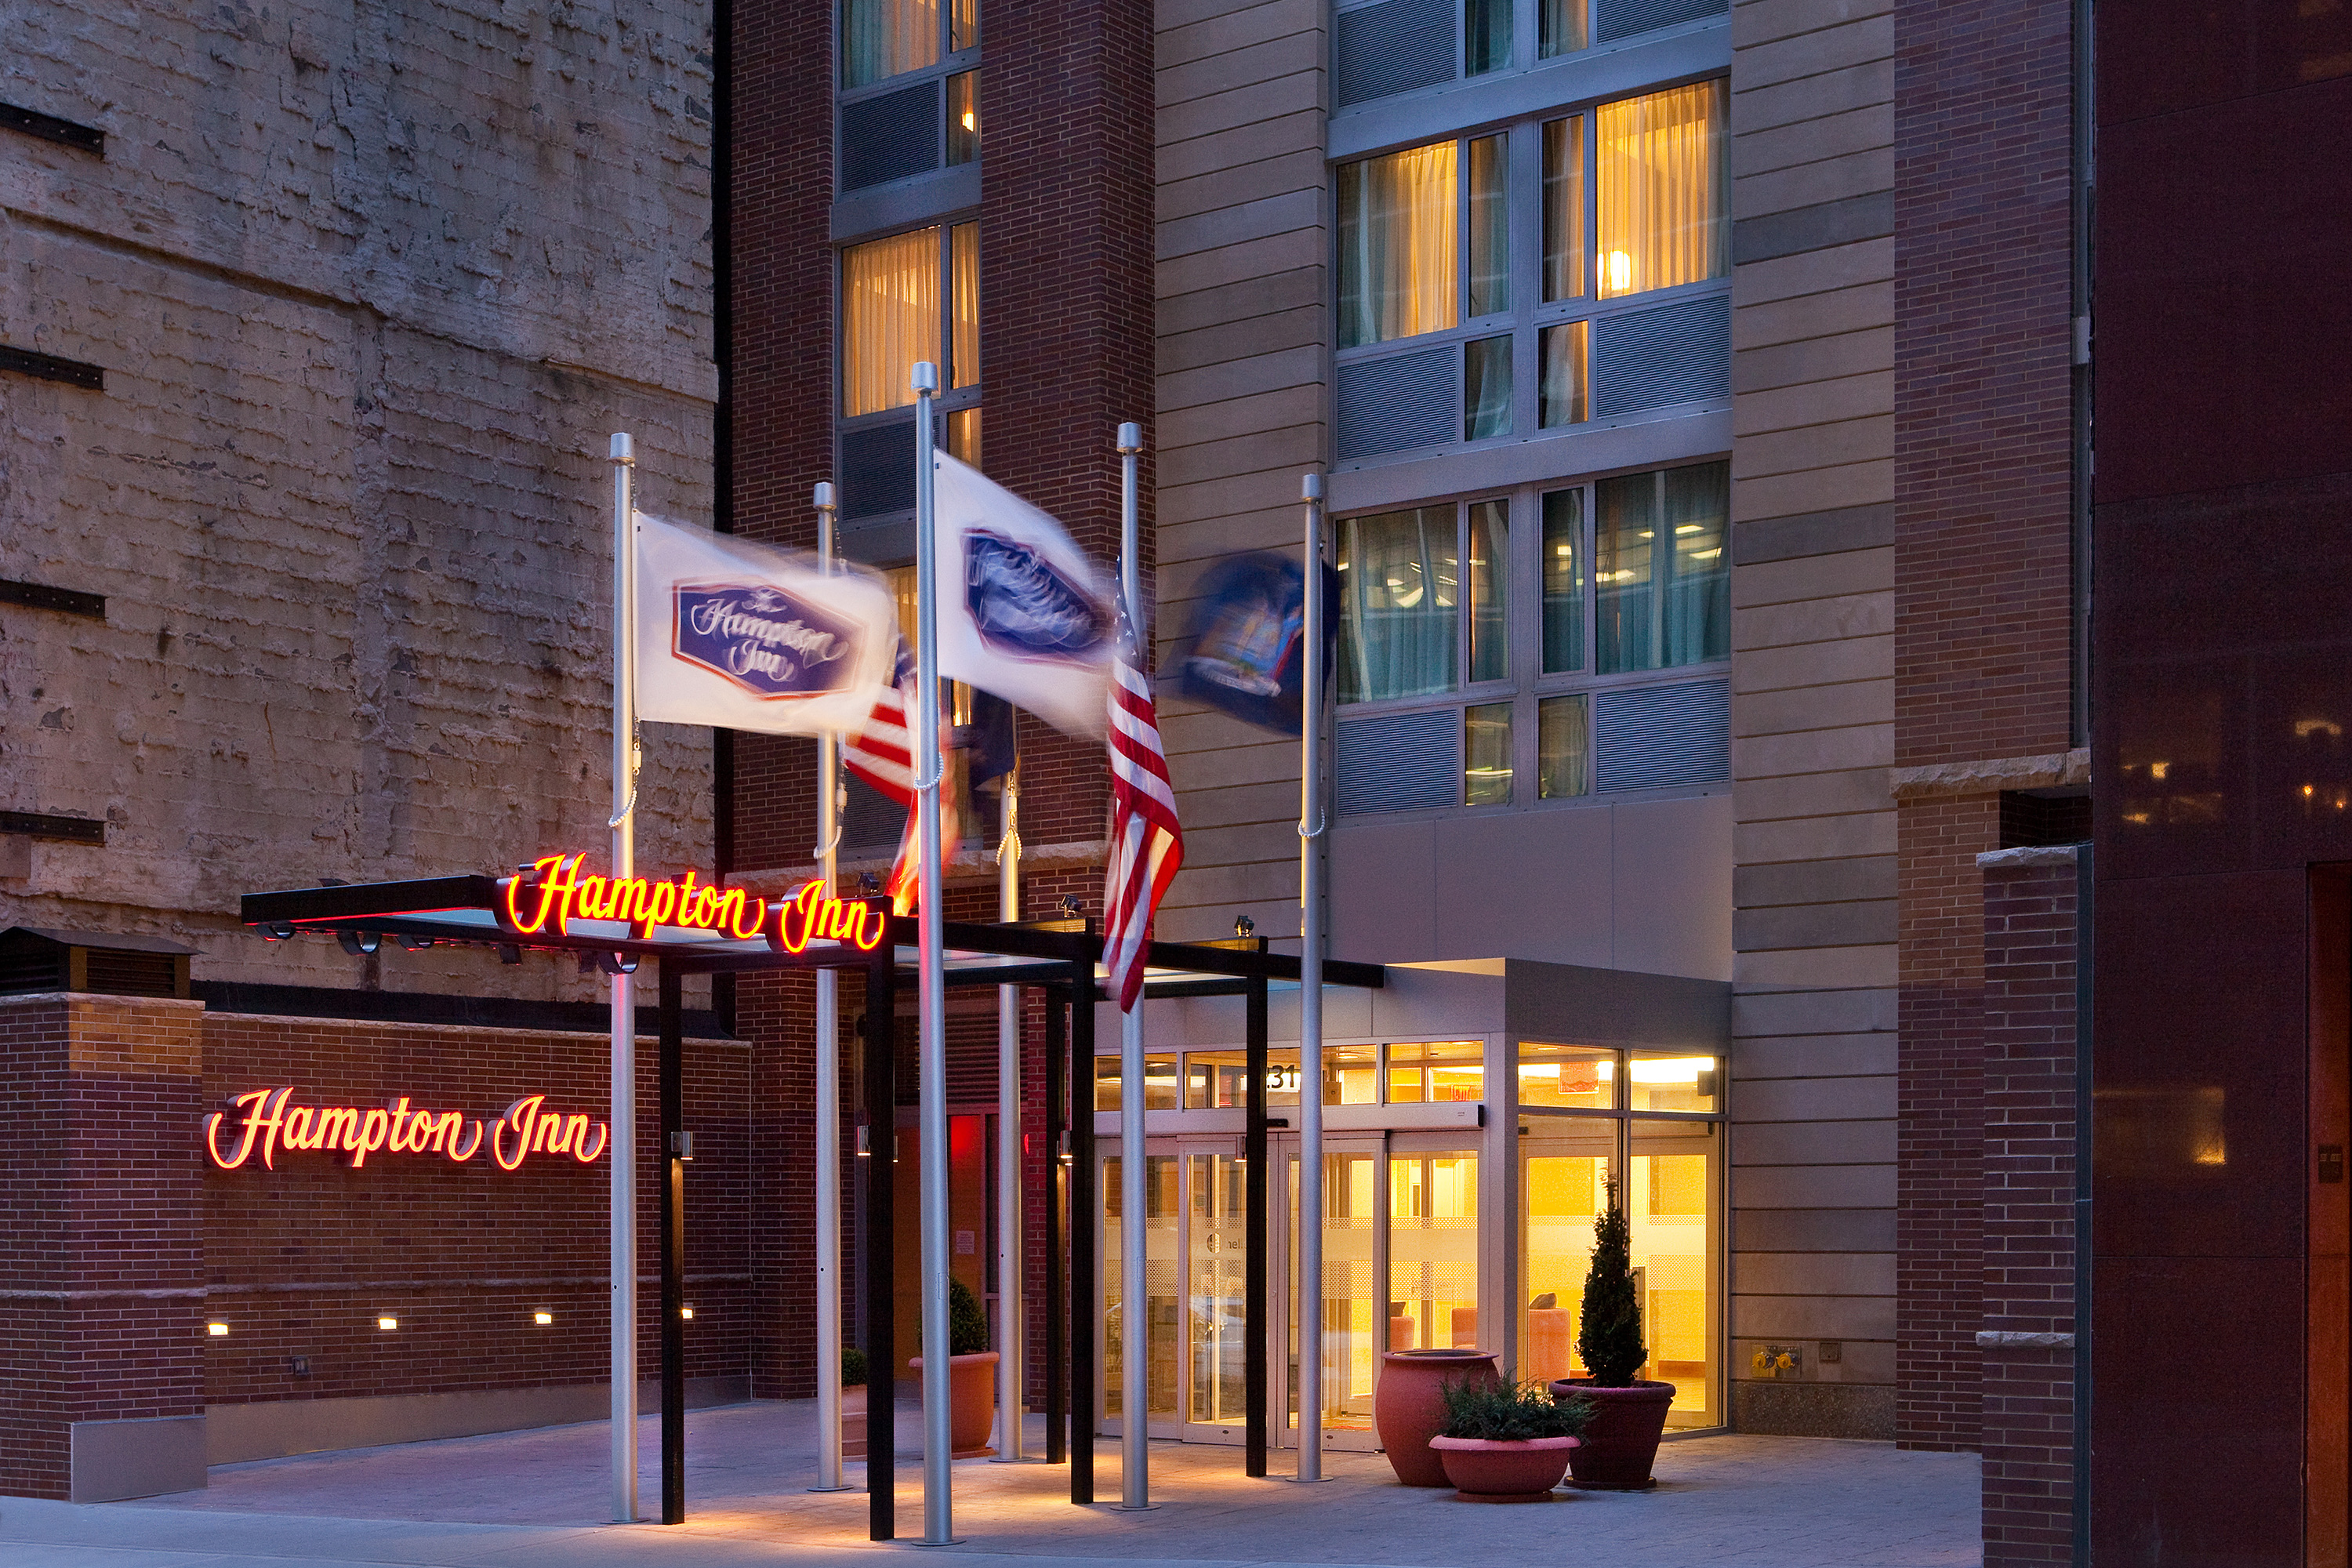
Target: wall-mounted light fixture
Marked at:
217, 1330
542, 1319
387, 1324
686, 1310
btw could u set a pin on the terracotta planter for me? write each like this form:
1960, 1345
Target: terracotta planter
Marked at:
971, 1388
853, 1423
1497, 1471
1409, 1406
1621, 1444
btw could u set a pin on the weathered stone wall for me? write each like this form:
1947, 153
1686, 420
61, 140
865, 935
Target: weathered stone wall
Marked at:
370, 284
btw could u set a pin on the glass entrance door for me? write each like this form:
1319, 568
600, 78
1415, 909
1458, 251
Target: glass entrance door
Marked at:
1216, 1293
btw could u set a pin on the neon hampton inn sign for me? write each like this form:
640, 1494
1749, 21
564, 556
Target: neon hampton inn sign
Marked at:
270, 1126
553, 892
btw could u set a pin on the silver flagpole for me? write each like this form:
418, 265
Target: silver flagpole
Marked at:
828, 1089
1134, 1326
937, 1501
1012, 1382
624, 1154
1310, 1000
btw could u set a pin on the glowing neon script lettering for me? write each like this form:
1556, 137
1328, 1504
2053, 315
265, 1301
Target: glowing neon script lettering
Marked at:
269, 1124
809, 915
551, 890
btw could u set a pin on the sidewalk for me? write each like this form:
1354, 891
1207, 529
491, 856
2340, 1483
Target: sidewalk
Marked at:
535, 1499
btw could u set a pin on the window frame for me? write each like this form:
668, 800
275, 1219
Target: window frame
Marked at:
1525, 322
950, 399
951, 64
1526, 684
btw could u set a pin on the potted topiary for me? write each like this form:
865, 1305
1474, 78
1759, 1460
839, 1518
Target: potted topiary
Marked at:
853, 1402
1629, 1413
1507, 1442
971, 1373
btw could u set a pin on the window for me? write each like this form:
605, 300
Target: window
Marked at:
1624, 201
894, 313
908, 102
1387, 46
1549, 662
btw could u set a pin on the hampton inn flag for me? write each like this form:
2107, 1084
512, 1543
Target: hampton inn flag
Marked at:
749, 638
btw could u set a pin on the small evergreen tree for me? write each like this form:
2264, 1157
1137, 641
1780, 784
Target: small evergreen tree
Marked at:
967, 1323
1609, 1329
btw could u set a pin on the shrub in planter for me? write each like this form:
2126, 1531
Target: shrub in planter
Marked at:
1508, 1443
1629, 1413
853, 1402
971, 1373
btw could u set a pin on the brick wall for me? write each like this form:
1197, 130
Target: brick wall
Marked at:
2028, 1391
370, 290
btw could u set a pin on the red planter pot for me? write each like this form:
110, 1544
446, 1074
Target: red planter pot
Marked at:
1493, 1470
971, 1390
1409, 1406
1622, 1443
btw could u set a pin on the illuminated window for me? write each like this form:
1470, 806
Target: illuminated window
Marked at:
886, 38
894, 314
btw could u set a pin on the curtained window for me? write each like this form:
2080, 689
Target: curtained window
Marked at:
890, 318
1400, 267
963, 267
1399, 574
1660, 185
882, 38
1560, 27
1660, 569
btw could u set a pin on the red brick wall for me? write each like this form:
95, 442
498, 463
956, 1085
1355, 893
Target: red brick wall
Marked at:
301, 1260
99, 1182
2029, 1211
1940, 1100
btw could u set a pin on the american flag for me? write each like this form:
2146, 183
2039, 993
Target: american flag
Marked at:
882, 753
1147, 846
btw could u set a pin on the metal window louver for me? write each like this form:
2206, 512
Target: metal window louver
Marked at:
1648, 737
1400, 762
1656, 358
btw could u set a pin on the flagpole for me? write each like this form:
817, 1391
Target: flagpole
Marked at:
924, 722
828, 1087
1135, 1329
1012, 1382
623, 1156
1310, 999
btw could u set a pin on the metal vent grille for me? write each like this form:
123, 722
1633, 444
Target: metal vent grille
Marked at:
1615, 19
128, 973
1397, 404
1404, 762
23, 971
870, 820
891, 136
877, 470
1654, 359
1652, 736
1394, 46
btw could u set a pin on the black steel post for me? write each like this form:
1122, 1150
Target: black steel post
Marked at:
876, 1244
1254, 1326
672, 1249
1057, 1074
1084, 1224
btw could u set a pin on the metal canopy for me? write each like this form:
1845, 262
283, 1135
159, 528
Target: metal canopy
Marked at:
1064, 957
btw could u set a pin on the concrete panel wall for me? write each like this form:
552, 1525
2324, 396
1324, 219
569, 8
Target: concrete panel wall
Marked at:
370, 288
1813, 1056
1241, 403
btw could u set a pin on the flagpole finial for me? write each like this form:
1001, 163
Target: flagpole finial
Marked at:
623, 449
925, 377
1311, 487
821, 497
1130, 439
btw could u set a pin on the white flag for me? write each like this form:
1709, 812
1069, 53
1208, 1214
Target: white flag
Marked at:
752, 637
1022, 613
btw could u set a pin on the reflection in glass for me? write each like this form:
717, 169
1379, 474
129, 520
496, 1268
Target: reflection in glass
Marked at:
1659, 604
881, 38
963, 118
1490, 225
1398, 261
1399, 575
1486, 36
1563, 747
1574, 1077
1563, 581
1433, 1251
1564, 1163
1661, 182
1350, 1354
1436, 1070
1160, 1282
1563, 210
1672, 1208
963, 24
1685, 1083
1567, 372
890, 318
1486, 388
1159, 1083
1563, 28
1489, 564
1215, 1293
1487, 755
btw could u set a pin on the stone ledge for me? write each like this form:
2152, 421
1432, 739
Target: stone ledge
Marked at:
1948, 781
2028, 857
2011, 1339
